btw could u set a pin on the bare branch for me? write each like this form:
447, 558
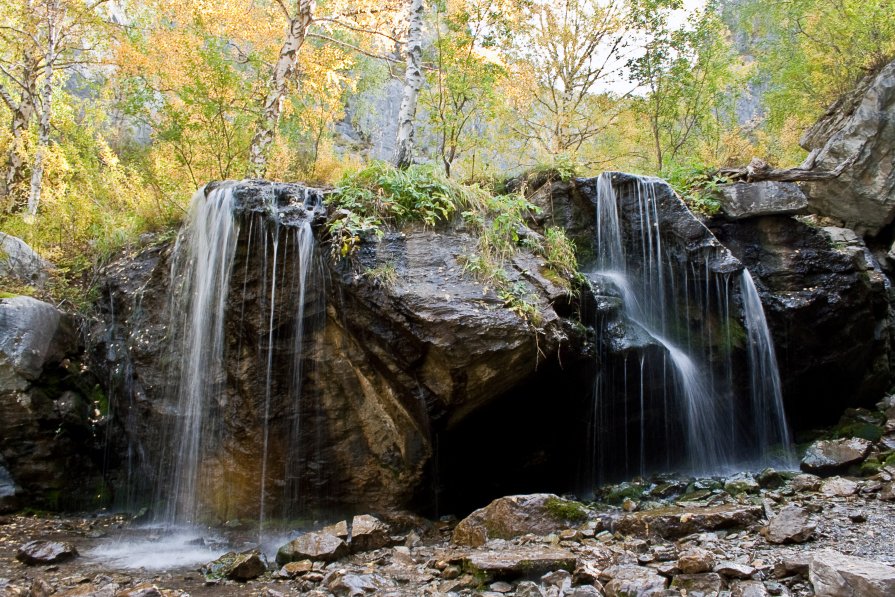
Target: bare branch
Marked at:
352, 47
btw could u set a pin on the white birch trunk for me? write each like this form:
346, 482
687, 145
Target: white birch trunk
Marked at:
413, 81
273, 103
43, 136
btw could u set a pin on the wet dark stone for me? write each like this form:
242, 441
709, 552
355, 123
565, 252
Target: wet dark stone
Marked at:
42, 552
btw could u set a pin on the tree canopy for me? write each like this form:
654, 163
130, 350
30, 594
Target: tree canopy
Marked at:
113, 112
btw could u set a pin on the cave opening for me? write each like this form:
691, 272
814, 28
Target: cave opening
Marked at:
530, 440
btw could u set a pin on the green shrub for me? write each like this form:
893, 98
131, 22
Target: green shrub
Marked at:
698, 187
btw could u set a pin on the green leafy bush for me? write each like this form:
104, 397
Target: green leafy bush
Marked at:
698, 187
380, 195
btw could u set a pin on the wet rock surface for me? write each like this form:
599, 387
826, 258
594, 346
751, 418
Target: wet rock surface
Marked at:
834, 574
50, 455
676, 521
816, 284
322, 546
791, 525
399, 343
45, 552
21, 263
832, 456
513, 516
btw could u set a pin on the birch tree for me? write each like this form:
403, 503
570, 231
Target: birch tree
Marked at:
41, 40
282, 70
462, 91
413, 81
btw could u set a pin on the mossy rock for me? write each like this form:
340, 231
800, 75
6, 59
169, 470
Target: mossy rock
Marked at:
616, 494
869, 467
859, 429
566, 510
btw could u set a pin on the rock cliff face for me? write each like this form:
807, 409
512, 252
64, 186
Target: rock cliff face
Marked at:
421, 387
388, 361
408, 363
859, 128
49, 456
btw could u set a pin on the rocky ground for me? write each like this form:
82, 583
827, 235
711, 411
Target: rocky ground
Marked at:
758, 541
826, 531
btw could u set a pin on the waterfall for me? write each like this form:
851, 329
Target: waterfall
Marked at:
679, 403
200, 277
765, 388
241, 274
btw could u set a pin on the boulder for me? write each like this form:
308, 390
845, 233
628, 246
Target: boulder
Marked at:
834, 574
734, 570
828, 457
674, 522
806, 482
518, 561
32, 334
298, 568
887, 493
352, 585
791, 525
241, 567
21, 263
381, 357
838, 487
42, 552
50, 439
752, 199
742, 483
368, 533
317, 546
857, 129
697, 585
748, 588
512, 516
8, 490
633, 580
696, 560
527, 588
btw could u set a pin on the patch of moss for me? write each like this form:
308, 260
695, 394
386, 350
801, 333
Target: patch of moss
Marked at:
890, 460
860, 429
616, 494
566, 510
869, 467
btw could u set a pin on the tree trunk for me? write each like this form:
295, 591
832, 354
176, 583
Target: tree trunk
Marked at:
757, 171
413, 81
22, 113
43, 135
273, 103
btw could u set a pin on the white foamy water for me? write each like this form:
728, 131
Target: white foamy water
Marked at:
163, 553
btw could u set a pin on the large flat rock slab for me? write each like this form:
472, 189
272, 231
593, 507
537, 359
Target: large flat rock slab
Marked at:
766, 198
674, 522
834, 574
519, 561
858, 129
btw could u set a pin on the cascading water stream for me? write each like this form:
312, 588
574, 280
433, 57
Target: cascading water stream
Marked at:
212, 446
694, 414
765, 388
200, 273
